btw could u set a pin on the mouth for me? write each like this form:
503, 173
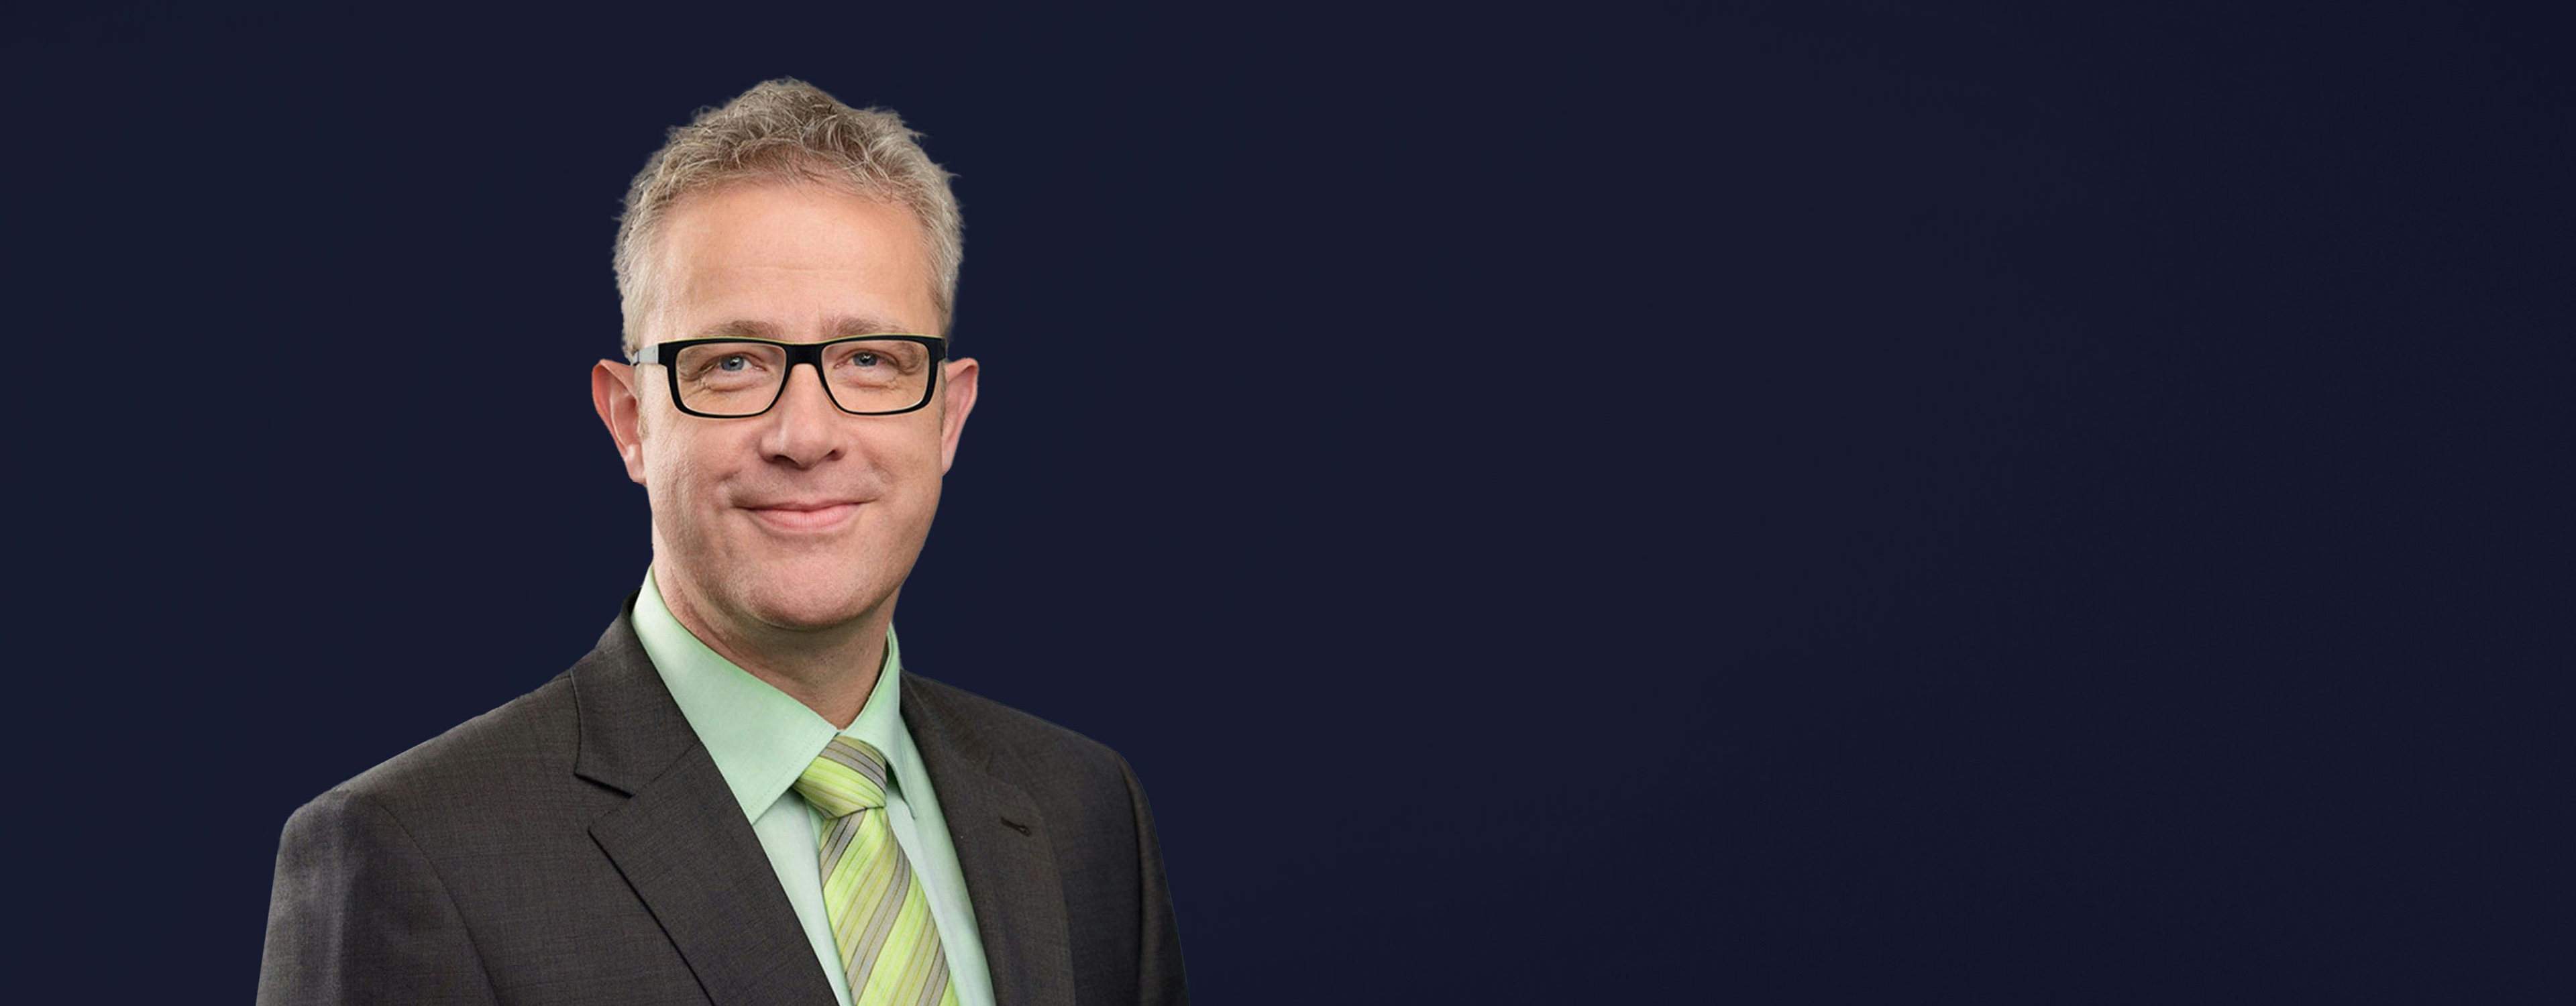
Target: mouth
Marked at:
804, 517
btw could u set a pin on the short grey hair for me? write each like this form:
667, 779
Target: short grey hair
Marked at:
787, 131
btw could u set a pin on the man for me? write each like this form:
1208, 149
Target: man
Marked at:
740, 796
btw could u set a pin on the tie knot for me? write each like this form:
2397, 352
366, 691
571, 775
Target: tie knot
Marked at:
848, 777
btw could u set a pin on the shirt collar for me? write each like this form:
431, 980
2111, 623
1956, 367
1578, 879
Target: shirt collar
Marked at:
761, 738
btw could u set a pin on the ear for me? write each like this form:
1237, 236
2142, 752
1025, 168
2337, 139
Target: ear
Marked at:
612, 392
956, 403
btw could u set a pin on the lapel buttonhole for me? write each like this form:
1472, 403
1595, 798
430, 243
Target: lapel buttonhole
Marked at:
1016, 826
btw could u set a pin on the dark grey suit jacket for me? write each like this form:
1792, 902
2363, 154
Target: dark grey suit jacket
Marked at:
578, 846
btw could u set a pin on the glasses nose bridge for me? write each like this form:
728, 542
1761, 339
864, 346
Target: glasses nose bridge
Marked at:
806, 354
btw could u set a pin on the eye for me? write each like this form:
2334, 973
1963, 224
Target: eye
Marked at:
865, 358
733, 363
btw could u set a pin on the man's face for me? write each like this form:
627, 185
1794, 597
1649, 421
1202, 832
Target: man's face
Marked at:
804, 517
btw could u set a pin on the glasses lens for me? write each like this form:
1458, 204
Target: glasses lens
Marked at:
878, 375
729, 378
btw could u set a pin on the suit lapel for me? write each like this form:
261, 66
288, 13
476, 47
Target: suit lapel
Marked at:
681, 840
1003, 848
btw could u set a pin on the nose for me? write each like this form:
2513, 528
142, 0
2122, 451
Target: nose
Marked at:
805, 428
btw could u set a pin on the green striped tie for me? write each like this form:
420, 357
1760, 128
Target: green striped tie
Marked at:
880, 918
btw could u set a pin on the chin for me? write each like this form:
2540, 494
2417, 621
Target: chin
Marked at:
811, 603
806, 587
803, 611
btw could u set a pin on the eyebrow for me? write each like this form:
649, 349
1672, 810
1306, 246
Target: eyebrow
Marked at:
840, 328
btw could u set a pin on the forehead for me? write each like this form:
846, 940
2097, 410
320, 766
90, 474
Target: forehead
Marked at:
798, 259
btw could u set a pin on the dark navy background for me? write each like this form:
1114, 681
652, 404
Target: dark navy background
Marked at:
1813, 503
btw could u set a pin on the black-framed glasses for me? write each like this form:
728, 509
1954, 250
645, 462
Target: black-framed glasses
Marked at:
865, 375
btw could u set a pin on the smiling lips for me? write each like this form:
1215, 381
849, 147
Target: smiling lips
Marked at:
816, 515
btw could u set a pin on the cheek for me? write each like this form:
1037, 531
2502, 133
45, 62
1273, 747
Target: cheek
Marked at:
911, 461
679, 470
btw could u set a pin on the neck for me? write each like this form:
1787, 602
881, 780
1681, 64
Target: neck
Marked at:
831, 669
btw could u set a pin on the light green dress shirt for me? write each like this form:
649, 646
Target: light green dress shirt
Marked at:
762, 739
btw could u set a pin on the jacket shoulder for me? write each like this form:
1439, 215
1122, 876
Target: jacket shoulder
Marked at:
505, 763
1012, 735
